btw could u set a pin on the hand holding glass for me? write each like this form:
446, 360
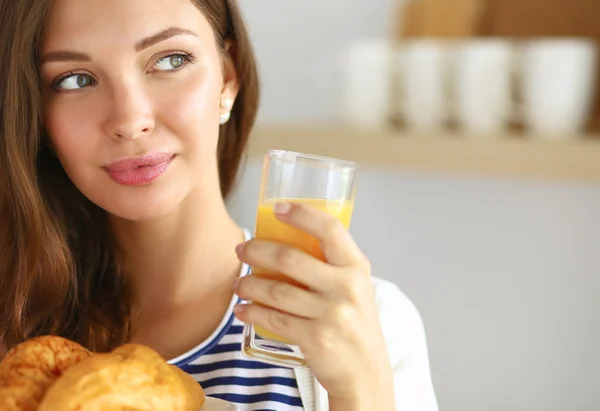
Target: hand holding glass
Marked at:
324, 183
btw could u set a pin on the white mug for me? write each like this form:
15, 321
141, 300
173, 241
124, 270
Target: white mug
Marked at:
482, 76
421, 77
365, 84
558, 80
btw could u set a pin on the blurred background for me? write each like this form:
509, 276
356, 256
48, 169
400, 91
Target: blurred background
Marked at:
478, 125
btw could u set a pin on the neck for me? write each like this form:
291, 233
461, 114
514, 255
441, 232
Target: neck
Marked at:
178, 259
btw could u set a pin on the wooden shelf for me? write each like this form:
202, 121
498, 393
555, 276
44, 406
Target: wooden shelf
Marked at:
576, 158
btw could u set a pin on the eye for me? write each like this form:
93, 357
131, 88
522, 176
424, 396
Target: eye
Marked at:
74, 82
173, 62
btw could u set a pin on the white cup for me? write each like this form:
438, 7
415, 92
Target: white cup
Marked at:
366, 88
482, 85
421, 77
558, 84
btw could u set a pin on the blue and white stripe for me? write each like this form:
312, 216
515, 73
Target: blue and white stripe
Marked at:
223, 372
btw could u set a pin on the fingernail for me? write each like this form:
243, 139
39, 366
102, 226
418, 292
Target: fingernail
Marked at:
239, 248
236, 284
239, 308
282, 208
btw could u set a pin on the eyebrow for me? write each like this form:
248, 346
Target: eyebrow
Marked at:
61, 56
161, 36
64, 55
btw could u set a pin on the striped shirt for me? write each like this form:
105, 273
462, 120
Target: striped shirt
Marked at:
223, 372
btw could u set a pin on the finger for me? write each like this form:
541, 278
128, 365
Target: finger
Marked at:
281, 296
291, 262
338, 246
289, 327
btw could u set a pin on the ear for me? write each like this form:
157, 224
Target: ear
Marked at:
231, 85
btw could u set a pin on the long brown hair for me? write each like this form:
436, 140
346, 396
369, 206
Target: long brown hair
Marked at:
59, 272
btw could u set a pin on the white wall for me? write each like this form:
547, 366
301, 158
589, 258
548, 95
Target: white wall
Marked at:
505, 273
298, 44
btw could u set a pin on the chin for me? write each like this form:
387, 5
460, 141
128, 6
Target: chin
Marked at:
149, 211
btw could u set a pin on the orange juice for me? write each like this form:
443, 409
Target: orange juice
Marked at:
268, 227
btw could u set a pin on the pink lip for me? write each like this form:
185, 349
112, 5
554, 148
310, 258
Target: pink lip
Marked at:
141, 170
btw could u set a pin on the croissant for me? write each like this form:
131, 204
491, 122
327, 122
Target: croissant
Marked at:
54, 374
132, 377
30, 368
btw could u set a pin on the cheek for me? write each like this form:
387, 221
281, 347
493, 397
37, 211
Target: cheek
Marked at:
71, 132
192, 112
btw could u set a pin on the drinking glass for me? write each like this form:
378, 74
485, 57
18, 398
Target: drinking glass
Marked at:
324, 183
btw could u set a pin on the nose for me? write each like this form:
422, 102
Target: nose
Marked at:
130, 116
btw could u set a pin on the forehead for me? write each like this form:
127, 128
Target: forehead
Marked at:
77, 23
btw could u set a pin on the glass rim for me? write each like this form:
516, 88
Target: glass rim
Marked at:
345, 163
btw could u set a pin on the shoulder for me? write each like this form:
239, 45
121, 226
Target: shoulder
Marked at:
407, 348
400, 320
395, 308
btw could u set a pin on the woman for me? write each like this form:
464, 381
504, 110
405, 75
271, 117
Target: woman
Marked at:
122, 130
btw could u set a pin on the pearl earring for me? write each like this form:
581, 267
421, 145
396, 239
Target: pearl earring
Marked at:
227, 104
224, 118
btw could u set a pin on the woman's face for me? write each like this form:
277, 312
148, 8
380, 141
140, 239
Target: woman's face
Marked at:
132, 100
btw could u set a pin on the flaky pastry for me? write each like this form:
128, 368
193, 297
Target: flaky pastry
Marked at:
54, 374
30, 368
